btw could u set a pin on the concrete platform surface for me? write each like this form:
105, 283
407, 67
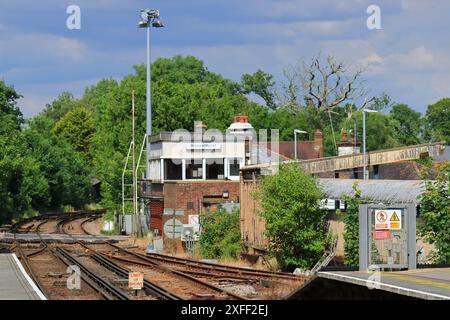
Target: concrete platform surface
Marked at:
431, 284
15, 284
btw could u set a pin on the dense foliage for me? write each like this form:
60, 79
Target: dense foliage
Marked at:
435, 213
295, 222
220, 236
351, 231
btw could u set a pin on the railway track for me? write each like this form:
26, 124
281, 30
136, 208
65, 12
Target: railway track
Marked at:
165, 277
51, 262
212, 269
60, 255
156, 268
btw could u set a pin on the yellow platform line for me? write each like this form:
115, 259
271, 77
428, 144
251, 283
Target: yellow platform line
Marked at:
410, 278
426, 270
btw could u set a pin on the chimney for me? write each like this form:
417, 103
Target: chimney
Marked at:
318, 143
240, 118
348, 146
199, 130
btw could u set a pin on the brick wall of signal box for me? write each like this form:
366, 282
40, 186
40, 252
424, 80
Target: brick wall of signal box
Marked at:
177, 195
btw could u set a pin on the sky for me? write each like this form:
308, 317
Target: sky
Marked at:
408, 58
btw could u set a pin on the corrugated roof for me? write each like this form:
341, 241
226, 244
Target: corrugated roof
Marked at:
445, 156
385, 191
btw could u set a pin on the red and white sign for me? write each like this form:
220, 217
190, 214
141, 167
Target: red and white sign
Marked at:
193, 219
388, 219
135, 280
381, 234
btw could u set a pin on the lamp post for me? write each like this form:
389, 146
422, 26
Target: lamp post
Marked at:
295, 141
149, 18
364, 141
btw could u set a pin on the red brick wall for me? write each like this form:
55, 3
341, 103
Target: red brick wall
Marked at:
178, 194
405, 170
156, 219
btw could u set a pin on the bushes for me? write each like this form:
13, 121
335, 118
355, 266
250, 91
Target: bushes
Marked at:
295, 222
220, 236
435, 213
351, 231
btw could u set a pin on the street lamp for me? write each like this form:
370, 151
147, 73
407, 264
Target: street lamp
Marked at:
295, 141
149, 18
364, 141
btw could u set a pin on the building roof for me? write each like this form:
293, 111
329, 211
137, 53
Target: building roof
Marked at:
377, 157
445, 156
385, 191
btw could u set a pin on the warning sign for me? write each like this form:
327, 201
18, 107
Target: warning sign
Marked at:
381, 234
193, 219
135, 280
388, 219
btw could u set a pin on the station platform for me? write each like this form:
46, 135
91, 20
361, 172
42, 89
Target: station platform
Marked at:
15, 284
427, 283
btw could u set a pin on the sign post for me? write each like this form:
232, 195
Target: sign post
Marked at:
387, 236
135, 280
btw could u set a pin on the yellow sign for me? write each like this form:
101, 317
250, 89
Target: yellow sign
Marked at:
395, 225
394, 217
135, 280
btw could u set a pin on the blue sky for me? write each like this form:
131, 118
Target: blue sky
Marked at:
409, 57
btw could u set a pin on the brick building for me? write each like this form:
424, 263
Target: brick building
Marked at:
197, 171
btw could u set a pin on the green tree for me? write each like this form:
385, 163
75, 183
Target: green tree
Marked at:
261, 84
435, 213
380, 130
408, 130
66, 172
295, 222
220, 236
77, 127
21, 182
351, 230
8, 105
437, 121
64, 103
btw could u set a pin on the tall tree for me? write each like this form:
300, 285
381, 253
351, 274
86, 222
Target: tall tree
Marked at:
64, 103
21, 182
408, 128
8, 104
77, 127
330, 83
66, 172
437, 121
261, 84
380, 130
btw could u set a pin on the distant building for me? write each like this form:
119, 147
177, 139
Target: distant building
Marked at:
197, 171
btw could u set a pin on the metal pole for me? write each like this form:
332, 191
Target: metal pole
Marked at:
295, 144
133, 157
149, 116
133, 154
149, 106
364, 146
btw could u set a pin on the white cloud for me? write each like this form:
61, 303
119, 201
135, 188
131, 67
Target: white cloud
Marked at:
23, 47
32, 104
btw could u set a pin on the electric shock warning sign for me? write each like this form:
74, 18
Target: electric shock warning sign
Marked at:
388, 219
